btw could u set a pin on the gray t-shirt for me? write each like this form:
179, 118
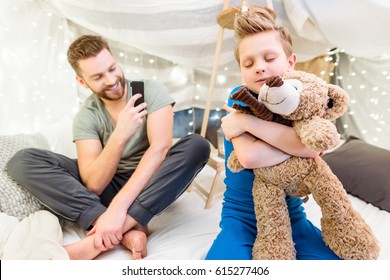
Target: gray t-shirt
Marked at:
93, 122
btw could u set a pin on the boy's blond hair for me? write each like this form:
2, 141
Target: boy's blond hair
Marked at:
85, 47
256, 20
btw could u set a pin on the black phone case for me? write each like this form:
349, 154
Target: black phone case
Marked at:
137, 87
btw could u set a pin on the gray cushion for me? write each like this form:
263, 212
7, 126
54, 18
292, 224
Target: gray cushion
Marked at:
14, 200
364, 170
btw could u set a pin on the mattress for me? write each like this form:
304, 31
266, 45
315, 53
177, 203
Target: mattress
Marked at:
186, 230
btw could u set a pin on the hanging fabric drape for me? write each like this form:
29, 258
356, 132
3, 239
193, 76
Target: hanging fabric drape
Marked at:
174, 42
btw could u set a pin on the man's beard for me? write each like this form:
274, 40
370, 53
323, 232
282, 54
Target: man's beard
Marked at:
104, 95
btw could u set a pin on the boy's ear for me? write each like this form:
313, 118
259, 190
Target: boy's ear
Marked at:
81, 81
292, 60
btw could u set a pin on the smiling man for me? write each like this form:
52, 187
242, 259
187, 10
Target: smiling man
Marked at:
126, 170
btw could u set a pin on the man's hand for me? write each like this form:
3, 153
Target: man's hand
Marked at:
130, 118
108, 229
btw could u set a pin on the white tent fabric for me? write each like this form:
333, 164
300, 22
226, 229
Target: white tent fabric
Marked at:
174, 42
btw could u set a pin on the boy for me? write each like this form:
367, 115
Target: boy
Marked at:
262, 50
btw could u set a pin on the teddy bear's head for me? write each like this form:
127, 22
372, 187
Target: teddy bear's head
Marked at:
302, 100
301, 96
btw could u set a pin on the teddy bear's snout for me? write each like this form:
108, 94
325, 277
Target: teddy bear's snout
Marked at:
282, 100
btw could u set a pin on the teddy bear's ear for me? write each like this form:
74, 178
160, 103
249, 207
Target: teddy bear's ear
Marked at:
337, 102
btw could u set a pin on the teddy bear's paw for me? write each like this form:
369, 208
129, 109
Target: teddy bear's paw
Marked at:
274, 81
320, 143
233, 164
351, 239
318, 134
278, 251
265, 256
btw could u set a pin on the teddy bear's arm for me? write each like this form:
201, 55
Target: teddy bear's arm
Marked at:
317, 134
254, 106
243, 109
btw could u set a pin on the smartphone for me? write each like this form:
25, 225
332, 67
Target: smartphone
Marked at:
137, 87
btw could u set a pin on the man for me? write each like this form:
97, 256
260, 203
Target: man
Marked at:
126, 171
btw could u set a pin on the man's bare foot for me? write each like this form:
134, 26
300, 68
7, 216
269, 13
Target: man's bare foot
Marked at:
135, 241
83, 249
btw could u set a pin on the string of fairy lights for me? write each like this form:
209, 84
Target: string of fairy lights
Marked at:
35, 64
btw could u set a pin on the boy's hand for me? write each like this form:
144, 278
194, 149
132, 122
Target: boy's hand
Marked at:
233, 123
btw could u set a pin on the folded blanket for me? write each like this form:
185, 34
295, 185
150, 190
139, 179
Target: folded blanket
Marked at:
7, 223
36, 237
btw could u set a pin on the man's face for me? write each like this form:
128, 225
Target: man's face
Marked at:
102, 75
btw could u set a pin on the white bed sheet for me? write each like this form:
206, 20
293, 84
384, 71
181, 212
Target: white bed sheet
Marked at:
186, 230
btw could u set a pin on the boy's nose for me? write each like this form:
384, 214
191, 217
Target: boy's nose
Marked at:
260, 68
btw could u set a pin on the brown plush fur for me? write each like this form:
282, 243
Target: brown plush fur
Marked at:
343, 229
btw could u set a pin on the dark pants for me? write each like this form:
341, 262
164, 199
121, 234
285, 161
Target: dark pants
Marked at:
55, 181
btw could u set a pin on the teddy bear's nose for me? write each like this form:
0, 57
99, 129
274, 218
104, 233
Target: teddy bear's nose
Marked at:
330, 103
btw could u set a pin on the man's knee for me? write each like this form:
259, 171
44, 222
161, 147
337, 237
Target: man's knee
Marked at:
192, 151
20, 161
199, 145
15, 162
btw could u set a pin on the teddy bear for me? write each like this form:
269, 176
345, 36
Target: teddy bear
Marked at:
308, 104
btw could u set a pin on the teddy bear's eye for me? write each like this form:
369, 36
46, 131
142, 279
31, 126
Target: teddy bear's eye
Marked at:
330, 103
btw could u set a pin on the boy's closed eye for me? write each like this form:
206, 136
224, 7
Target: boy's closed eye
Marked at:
247, 63
270, 59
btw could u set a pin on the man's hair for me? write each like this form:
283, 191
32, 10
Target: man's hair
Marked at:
256, 20
85, 47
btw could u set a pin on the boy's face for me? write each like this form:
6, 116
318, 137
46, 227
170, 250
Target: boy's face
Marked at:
262, 56
102, 75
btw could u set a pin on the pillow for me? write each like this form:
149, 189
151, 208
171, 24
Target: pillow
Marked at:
14, 200
364, 171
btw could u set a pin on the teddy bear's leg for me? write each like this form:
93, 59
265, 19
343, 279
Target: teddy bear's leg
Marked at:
233, 164
274, 236
343, 229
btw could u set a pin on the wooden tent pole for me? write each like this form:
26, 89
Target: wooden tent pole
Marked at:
212, 83
270, 4
213, 77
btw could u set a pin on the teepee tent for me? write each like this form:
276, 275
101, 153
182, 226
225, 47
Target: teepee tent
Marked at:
188, 46
175, 42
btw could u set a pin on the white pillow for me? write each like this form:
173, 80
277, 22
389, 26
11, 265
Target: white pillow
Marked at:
14, 200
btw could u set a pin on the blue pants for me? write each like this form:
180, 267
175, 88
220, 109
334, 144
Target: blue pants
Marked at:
238, 227
236, 239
